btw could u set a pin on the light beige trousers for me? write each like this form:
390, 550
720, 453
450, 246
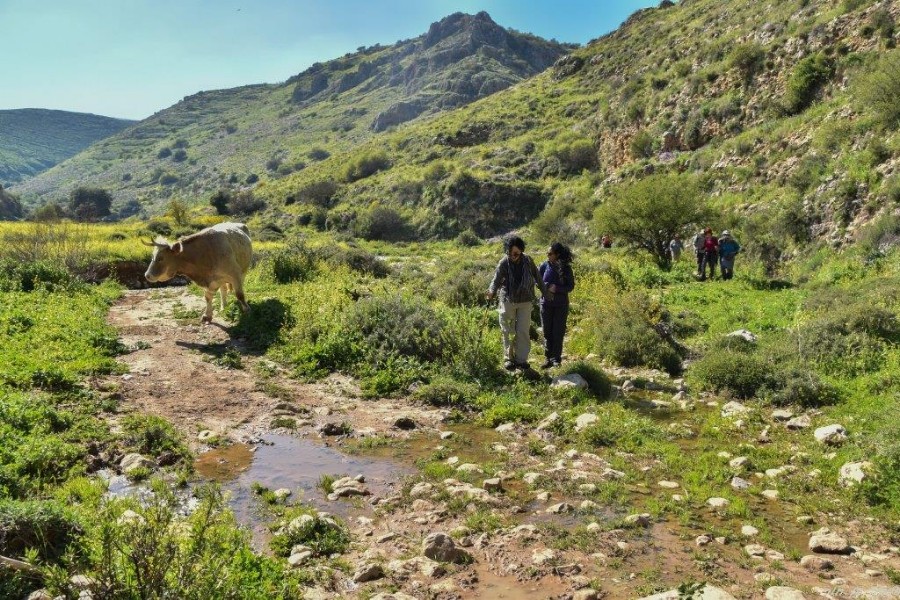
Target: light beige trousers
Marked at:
515, 323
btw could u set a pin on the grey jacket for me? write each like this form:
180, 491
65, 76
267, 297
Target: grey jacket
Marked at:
525, 291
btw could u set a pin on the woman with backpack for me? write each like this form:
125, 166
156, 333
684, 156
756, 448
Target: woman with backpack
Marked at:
557, 274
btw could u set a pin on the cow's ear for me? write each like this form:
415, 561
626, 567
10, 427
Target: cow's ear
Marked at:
177, 247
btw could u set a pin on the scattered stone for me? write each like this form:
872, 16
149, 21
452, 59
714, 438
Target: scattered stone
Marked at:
764, 578
531, 478
587, 488
854, 473
387, 537
627, 386
801, 422
40, 595
562, 507
805, 520
826, 541
368, 572
134, 461
505, 428
744, 334
446, 435
548, 421
586, 594
453, 461
440, 547
774, 555
206, 436
331, 429
588, 505
572, 380
708, 592
780, 592
638, 520
593, 527
492, 485
669, 485
763, 437
770, 494
755, 550
749, 531
782, 414
811, 562
734, 409
874, 573
469, 468
421, 489
718, 502
81, 582
542, 496
739, 463
298, 559
585, 420
391, 596
724, 454
778, 472
281, 494
739, 483
345, 487
703, 540
129, 517
832, 435
540, 557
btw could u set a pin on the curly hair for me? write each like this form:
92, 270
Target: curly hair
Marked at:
562, 252
513, 241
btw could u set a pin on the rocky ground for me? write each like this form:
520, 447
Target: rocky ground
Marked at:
511, 512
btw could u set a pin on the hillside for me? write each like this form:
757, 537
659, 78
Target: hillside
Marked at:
773, 107
32, 140
214, 139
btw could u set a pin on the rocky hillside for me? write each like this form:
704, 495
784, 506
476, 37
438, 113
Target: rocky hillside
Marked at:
786, 112
32, 140
256, 133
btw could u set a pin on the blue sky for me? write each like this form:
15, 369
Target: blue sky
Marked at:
131, 58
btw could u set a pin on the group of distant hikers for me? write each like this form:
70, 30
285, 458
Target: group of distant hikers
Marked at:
709, 250
517, 276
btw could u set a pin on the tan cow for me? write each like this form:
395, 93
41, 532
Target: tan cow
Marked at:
215, 258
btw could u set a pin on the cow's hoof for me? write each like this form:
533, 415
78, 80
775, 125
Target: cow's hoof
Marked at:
245, 308
205, 320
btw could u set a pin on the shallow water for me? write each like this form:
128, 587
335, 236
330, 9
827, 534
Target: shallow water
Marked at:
285, 461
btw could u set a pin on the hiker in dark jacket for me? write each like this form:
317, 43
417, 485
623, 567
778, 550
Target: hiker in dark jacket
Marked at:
514, 281
697, 243
557, 274
728, 249
710, 254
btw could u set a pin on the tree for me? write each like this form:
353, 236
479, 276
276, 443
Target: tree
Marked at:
220, 201
90, 204
50, 212
10, 207
178, 210
648, 213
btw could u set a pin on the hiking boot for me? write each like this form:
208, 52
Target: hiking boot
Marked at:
509, 365
548, 363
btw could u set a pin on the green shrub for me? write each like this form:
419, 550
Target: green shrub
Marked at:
152, 435
295, 262
805, 81
596, 378
736, 373
576, 156
747, 58
318, 193
469, 347
800, 387
382, 223
641, 145
507, 407
622, 428
323, 535
446, 392
628, 334
468, 238
395, 326
879, 236
18, 276
879, 90
356, 259
44, 526
366, 165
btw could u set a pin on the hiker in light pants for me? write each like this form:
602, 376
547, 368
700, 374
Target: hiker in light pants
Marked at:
514, 280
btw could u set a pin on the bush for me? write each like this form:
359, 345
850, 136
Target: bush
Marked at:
366, 165
628, 333
445, 392
382, 223
20, 276
164, 153
468, 238
10, 206
318, 154
805, 81
647, 214
395, 326
323, 535
800, 387
879, 90
90, 204
318, 193
356, 259
293, 263
621, 428
641, 145
179, 156
747, 59
245, 203
735, 373
576, 156
879, 236
152, 435
597, 380
49, 212
44, 526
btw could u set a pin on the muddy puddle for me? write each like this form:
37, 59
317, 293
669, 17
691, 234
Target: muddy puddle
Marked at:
297, 464
504, 587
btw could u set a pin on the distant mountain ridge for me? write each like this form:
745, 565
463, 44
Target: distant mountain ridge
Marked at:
226, 138
34, 139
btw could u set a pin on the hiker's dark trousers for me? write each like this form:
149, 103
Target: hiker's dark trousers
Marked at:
553, 321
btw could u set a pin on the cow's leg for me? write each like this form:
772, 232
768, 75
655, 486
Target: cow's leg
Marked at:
239, 293
223, 296
208, 293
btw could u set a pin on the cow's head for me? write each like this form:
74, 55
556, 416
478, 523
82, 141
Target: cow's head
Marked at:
164, 265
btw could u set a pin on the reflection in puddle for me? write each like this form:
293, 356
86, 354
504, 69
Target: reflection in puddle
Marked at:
284, 461
497, 587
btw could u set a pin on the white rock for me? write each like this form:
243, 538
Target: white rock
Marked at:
782, 414
572, 380
207, 436
801, 422
446, 435
770, 494
540, 557
826, 541
739, 463
853, 473
296, 560
281, 493
832, 435
492, 485
755, 550
585, 420
812, 562
744, 334
505, 428
708, 592
639, 520
421, 489
133, 461
749, 531
669, 485
780, 592
531, 478
703, 540
739, 483
469, 468
734, 409
562, 507
548, 421
718, 502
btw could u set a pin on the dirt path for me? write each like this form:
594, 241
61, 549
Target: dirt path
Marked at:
538, 552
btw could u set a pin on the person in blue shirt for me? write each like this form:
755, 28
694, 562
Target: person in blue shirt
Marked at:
728, 249
559, 280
